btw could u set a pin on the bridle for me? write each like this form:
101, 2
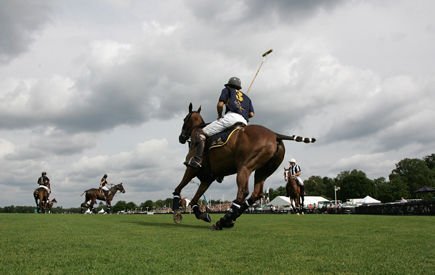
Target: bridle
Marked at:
185, 131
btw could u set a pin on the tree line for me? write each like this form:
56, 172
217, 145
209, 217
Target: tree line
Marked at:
408, 176
404, 180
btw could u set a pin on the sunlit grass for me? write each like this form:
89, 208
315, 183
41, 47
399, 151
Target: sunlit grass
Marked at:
258, 244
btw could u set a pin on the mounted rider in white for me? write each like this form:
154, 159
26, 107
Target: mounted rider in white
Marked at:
239, 109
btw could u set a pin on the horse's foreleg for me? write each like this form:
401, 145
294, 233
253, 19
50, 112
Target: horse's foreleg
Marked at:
109, 206
194, 203
189, 174
91, 204
302, 198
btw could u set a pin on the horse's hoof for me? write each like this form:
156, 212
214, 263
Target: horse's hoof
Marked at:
228, 225
178, 217
216, 227
205, 217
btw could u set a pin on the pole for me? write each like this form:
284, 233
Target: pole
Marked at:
259, 67
335, 194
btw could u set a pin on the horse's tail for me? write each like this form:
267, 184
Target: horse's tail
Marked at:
295, 138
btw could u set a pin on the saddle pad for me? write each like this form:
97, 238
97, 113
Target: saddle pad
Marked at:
45, 187
220, 139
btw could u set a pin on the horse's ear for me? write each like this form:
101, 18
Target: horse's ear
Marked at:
190, 107
199, 109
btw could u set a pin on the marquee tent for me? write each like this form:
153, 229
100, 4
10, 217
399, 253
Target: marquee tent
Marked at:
366, 200
283, 201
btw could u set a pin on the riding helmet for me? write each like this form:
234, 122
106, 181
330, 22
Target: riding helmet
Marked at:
234, 82
292, 161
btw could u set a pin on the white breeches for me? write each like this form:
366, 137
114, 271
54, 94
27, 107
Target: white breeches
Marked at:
300, 181
105, 188
228, 120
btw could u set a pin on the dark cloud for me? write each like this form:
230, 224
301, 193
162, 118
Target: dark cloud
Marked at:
19, 21
264, 13
119, 89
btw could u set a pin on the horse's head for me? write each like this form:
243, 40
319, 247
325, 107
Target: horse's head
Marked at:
120, 187
193, 119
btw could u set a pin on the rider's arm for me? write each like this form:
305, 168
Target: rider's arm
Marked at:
298, 171
251, 110
220, 108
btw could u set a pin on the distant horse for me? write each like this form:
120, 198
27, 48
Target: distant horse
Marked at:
184, 204
294, 193
251, 148
41, 198
94, 194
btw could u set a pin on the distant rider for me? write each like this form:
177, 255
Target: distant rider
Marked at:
44, 181
238, 109
103, 186
295, 171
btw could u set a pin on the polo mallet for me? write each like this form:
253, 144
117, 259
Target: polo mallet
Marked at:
259, 67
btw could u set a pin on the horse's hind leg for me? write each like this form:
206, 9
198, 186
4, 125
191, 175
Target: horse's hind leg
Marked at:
239, 204
37, 203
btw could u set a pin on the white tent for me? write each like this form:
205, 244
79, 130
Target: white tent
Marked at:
368, 200
283, 201
280, 202
313, 200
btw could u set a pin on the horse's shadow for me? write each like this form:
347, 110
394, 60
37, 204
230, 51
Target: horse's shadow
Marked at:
167, 225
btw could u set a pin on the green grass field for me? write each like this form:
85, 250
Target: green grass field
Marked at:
258, 244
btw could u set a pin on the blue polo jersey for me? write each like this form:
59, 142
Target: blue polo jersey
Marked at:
236, 101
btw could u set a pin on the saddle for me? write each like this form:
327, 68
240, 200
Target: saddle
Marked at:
101, 192
220, 139
216, 141
45, 187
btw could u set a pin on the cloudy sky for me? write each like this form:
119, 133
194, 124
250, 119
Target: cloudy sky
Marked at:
94, 87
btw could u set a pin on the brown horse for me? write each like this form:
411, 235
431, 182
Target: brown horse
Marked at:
251, 148
294, 193
94, 194
41, 198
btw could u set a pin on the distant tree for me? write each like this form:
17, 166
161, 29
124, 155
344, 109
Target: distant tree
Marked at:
354, 184
415, 173
131, 206
430, 161
380, 188
393, 190
168, 202
148, 204
159, 203
329, 184
119, 206
314, 186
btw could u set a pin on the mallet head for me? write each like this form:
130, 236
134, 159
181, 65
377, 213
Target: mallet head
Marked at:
266, 53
